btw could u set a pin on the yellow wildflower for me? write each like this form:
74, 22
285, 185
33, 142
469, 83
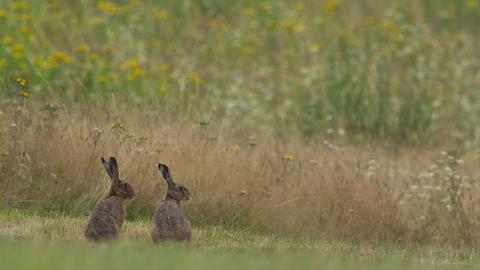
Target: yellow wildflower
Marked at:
470, 3
103, 78
94, 57
57, 57
21, 81
242, 193
108, 49
331, 6
165, 67
3, 14
107, 7
25, 94
18, 50
134, 63
161, 15
248, 50
82, 48
52, 62
249, 12
7, 40
63, 57
391, 29
41, 64
118, 126
316, 47
20, 5
291, 26
137, 73
288, 157
300, 7
25, 30
195, 78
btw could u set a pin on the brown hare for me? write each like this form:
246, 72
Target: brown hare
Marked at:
109, 213
169, 223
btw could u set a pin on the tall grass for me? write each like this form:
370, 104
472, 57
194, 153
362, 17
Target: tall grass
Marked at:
399, 70
50, 162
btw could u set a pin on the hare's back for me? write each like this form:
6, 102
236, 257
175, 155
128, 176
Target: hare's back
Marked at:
106, 219
101, 226
168, 214
170, 223
112, 206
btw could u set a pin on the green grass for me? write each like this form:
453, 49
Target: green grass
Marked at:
55, 241
68, 255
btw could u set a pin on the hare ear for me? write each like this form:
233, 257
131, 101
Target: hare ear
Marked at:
106, 165
113, 169
166, 174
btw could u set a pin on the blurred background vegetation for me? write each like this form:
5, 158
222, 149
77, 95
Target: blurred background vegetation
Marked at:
400, 71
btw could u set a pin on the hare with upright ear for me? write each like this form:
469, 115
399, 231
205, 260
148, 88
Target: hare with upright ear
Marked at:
169, 223
109, 213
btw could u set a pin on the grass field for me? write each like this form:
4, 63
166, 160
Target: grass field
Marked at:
56, 242
314, 133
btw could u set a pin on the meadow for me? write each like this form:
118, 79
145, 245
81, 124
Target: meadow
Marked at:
55, 241
350, 121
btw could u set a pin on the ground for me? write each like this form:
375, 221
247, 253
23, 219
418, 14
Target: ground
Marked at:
56, 241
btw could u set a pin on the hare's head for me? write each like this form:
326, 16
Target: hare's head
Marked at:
118, 188
174, 191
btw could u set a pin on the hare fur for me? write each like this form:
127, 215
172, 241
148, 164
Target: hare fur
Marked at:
109, 213
169, 223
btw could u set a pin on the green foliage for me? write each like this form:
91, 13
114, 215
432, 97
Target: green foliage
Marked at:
398, 70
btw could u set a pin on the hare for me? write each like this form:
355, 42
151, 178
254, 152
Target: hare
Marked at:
109, 213
169, 223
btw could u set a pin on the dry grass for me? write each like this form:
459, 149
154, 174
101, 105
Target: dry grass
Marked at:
50, 161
